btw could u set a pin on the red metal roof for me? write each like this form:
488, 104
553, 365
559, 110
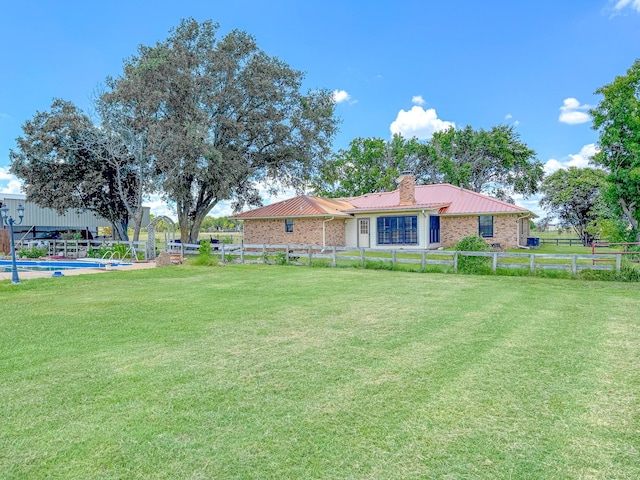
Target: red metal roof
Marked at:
300, 206
445, 198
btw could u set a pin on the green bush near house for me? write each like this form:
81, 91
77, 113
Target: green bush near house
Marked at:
477, 265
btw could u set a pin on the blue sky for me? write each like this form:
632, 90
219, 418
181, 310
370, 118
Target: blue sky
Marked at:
407, 66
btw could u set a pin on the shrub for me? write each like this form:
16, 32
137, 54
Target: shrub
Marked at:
473, 243
280, 257
204, 258
204, 248
204, 261
33, 252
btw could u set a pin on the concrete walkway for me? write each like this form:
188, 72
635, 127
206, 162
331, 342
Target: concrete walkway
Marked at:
79, 271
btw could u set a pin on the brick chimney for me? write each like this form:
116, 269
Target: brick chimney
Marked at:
407, 187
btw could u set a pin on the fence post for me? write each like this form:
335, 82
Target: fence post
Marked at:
455, 261
532, 263
574, 264
362, 256
223, 260
618, 262
423, 262
310, 254
335, 256
242, 253
393, 258
495, 262
286, 254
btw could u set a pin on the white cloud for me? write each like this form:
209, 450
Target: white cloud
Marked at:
417, 100
12, 185
551, 166
573, 113
584, 156
578, 160
419, 123
5, 175
340, 96
508, 116
634, 4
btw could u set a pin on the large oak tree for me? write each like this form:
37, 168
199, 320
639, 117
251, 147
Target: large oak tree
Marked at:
223, 116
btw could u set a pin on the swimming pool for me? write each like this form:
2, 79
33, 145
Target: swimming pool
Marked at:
47, 266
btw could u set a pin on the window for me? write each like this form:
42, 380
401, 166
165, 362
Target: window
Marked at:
288, 225
485, 226
364, 227
398, 230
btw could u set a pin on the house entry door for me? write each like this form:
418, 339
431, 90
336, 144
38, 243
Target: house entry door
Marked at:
363, 233
434, 229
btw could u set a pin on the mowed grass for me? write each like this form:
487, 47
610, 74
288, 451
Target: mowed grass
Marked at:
269, 372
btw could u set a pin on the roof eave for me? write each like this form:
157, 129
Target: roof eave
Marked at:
466, 214
275, 217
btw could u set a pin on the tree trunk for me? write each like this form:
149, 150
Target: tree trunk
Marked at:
137, 224
120, 231
629, 211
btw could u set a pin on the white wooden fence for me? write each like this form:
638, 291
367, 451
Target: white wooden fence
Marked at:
306, 254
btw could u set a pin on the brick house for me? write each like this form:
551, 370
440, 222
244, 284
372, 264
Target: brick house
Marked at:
423, 216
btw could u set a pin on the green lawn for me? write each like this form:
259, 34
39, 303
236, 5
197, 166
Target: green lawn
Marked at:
269, 372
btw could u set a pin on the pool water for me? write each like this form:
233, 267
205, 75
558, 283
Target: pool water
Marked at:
45, 266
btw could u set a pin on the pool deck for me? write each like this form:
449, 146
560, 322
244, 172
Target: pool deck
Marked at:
79, 271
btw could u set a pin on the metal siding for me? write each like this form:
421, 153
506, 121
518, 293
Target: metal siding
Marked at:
48, 217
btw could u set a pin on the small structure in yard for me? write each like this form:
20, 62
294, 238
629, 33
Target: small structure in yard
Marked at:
424, 216
47, 223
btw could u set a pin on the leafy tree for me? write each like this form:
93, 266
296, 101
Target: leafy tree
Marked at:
221, 116
574, 197
617, 118
494, 162
66, 163
368, 165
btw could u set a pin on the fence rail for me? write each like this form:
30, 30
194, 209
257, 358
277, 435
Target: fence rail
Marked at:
563, 241
80, 248
306, 254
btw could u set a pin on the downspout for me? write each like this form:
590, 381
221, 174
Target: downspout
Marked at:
426, 230
518, 233
324, 232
